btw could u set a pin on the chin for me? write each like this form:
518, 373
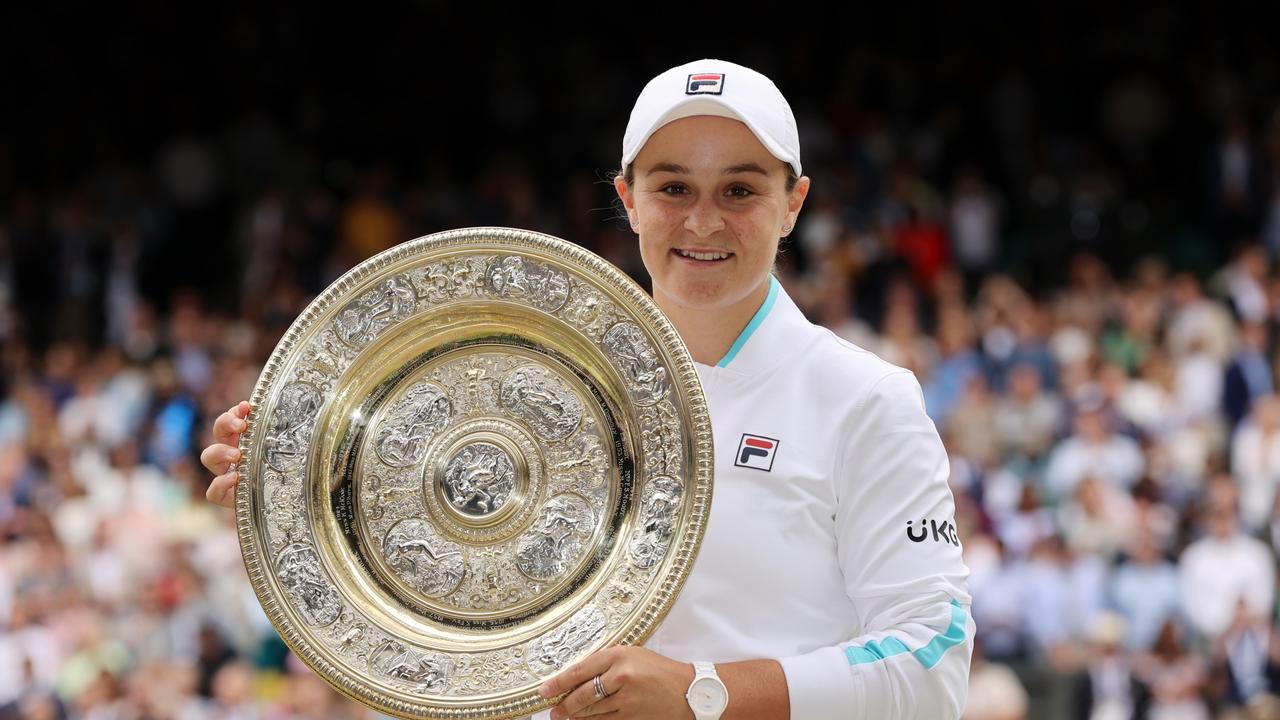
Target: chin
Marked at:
700, 301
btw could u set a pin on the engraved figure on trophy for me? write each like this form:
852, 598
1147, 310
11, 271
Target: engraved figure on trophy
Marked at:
585, 307
426, 672
295, 414
349, 640
479, 479
554, 650
546, 288
298, 569
426, 561
583, 459
476, 386
378, 495
491, 589
664, 452
479, 674
659, 510
424, 411
362, 319
283, 508
467, 275
557, 538
543, 401
626, 344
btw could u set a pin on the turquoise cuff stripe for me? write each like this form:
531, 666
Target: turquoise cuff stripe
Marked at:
751, 326
929, 655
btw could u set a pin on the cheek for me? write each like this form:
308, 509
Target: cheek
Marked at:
659, 215
658, 226
757, 231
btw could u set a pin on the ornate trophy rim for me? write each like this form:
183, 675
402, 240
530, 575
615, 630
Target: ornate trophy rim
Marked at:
686, 387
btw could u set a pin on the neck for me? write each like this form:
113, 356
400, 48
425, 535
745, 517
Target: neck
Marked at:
710, 333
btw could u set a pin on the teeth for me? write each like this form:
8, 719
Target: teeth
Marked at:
703, 256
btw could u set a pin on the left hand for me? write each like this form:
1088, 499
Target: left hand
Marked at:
640, 684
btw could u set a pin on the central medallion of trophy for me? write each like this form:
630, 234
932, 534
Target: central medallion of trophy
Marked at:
478, 479
513, 474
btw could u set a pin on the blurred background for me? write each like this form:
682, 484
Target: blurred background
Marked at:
1064, 220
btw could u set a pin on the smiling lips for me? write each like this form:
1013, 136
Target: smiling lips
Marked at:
712, 255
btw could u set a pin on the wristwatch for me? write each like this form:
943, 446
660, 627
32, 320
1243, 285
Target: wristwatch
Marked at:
707, 696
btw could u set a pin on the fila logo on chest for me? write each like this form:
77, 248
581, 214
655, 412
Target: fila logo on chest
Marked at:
756, 452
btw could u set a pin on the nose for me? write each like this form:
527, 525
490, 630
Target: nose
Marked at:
704, 217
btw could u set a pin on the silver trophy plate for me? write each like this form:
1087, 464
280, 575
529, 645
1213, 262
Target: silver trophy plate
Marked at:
474, 459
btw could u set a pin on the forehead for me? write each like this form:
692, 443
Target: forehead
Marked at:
706, 142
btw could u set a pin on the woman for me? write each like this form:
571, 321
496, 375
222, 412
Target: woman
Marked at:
829, 583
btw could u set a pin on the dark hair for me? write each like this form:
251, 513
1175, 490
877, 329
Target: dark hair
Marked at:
629, 176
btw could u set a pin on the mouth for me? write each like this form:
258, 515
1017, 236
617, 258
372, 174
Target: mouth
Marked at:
702, 256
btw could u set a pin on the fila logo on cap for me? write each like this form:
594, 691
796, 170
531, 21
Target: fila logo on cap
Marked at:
705, 84
756, 451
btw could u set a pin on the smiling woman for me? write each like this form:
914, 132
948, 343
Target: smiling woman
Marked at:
808, 599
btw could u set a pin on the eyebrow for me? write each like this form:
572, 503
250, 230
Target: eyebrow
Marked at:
745, 168
731, 170
668, 167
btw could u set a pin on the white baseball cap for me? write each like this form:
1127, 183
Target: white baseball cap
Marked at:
715, 87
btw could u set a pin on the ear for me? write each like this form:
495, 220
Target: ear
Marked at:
624, 194
796, 200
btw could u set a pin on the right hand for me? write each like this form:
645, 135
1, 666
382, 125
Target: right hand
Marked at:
221, 457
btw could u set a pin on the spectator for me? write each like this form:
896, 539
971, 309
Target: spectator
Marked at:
995, 693
1145, 590
972, 427
1093, 450
1249, 375
1027, 418
974, 217
1197, 322
1098, 520
1107, 687
1224, 568
1255, 462
1247, 659
1174, 677
960, 363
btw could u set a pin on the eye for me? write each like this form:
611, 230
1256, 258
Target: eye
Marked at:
739, 191
673, 189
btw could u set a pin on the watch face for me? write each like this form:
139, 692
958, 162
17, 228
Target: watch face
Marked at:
707, 695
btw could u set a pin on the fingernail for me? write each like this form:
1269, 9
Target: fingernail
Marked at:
233, 454
237, 425
545, 690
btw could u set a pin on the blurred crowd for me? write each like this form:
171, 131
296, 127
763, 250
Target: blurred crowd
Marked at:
1094, 318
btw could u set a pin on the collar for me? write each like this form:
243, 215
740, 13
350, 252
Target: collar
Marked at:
772, 335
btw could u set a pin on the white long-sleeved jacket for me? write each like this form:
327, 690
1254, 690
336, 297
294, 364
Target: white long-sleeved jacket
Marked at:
831, 544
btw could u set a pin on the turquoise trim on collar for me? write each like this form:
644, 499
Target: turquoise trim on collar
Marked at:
751, 326
929, 655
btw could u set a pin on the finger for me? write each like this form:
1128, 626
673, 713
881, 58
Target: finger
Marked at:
218, 458
228, 426
222, 491
583, 697
577, 700
609, 705
577, 673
